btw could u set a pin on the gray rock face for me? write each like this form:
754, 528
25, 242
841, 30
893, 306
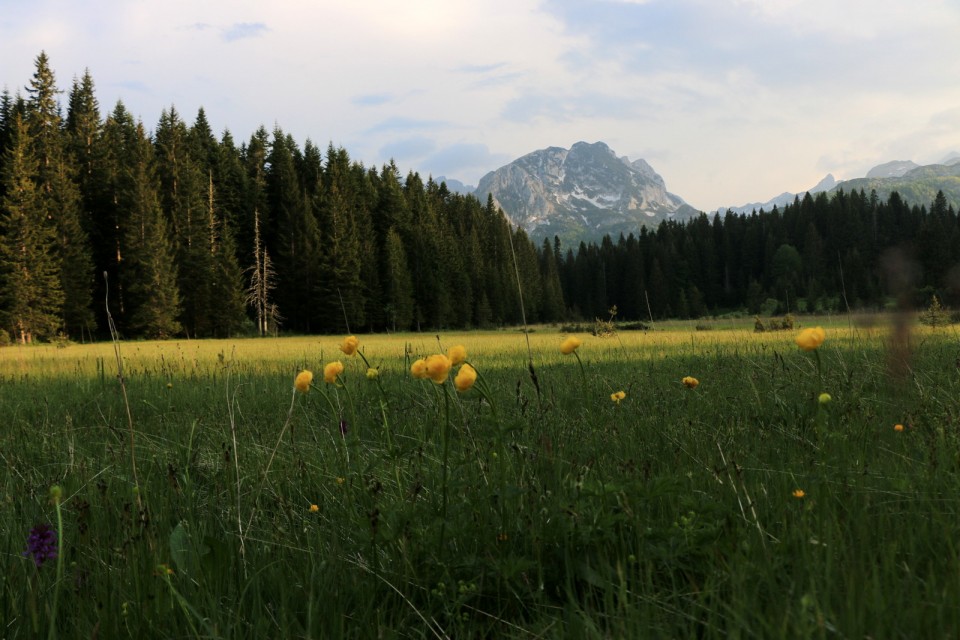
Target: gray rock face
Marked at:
894, 169
581, 193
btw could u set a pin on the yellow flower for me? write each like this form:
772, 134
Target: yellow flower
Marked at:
331, 371
372, 374
350, 344
465, 378
898, 427
618, 396
340, 480
438, 367
303, 380
570, 345
169, 385
419, 369
824, 398
798, 493
457, 355
314, 508
810, 339
690, 382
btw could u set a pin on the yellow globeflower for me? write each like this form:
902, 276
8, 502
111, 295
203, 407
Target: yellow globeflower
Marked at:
438, 367
570, 345
898, 427
465, 378
618, 396
810, 339
314, 508
372, 374
419, 369
331, 371
690, 382
457, 355
350, 344
798, 493
303, 380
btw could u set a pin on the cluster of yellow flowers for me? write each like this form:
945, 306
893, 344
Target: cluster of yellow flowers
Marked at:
332, 370
437, 368
690, 382
618, 396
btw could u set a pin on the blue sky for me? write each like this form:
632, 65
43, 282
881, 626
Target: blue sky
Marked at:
731, 101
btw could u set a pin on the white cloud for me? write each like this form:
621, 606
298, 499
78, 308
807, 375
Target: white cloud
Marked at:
730, 100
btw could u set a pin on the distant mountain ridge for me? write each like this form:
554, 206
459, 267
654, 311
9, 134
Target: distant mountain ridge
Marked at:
581, 193
826, 184
587, 191
916, 184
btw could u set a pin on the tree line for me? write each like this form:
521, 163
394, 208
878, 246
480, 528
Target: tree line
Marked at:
821, 253
175, 232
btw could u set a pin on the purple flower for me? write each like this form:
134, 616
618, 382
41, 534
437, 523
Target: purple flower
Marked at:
41, 544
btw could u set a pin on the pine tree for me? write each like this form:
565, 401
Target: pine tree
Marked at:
183, 198
60, 200
552, 307
115, 152
149, 273
398, 286
296, 236
31, 297
339, 289
226, 286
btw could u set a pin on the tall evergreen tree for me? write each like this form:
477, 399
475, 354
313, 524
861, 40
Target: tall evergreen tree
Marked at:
149, 270
31, 297
339, 289
60, 200
183, 197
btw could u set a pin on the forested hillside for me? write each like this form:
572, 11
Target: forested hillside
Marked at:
176, 232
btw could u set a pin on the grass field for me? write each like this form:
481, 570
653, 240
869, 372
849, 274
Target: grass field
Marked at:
227, 504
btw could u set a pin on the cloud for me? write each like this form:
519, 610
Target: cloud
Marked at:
372, 100
133, 85
243, 30
464, 161
408, 149
480, 68
400, 123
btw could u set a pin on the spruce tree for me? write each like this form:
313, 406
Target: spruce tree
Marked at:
339, 288
398, 288
183, 198
31, 297
149, 274
60, 200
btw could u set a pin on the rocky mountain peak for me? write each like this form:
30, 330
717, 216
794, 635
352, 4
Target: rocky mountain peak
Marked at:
586, 191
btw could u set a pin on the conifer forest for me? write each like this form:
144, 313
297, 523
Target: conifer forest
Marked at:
170, 229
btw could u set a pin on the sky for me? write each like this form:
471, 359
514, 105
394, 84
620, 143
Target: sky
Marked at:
730, 101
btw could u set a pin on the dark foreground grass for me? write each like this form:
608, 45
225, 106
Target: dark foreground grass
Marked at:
741, 508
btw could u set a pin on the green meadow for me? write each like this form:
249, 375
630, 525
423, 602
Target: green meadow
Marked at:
201, 496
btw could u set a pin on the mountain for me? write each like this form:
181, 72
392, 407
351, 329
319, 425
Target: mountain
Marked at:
581, 193
917, 186
785, 198
894, 169
455, 186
